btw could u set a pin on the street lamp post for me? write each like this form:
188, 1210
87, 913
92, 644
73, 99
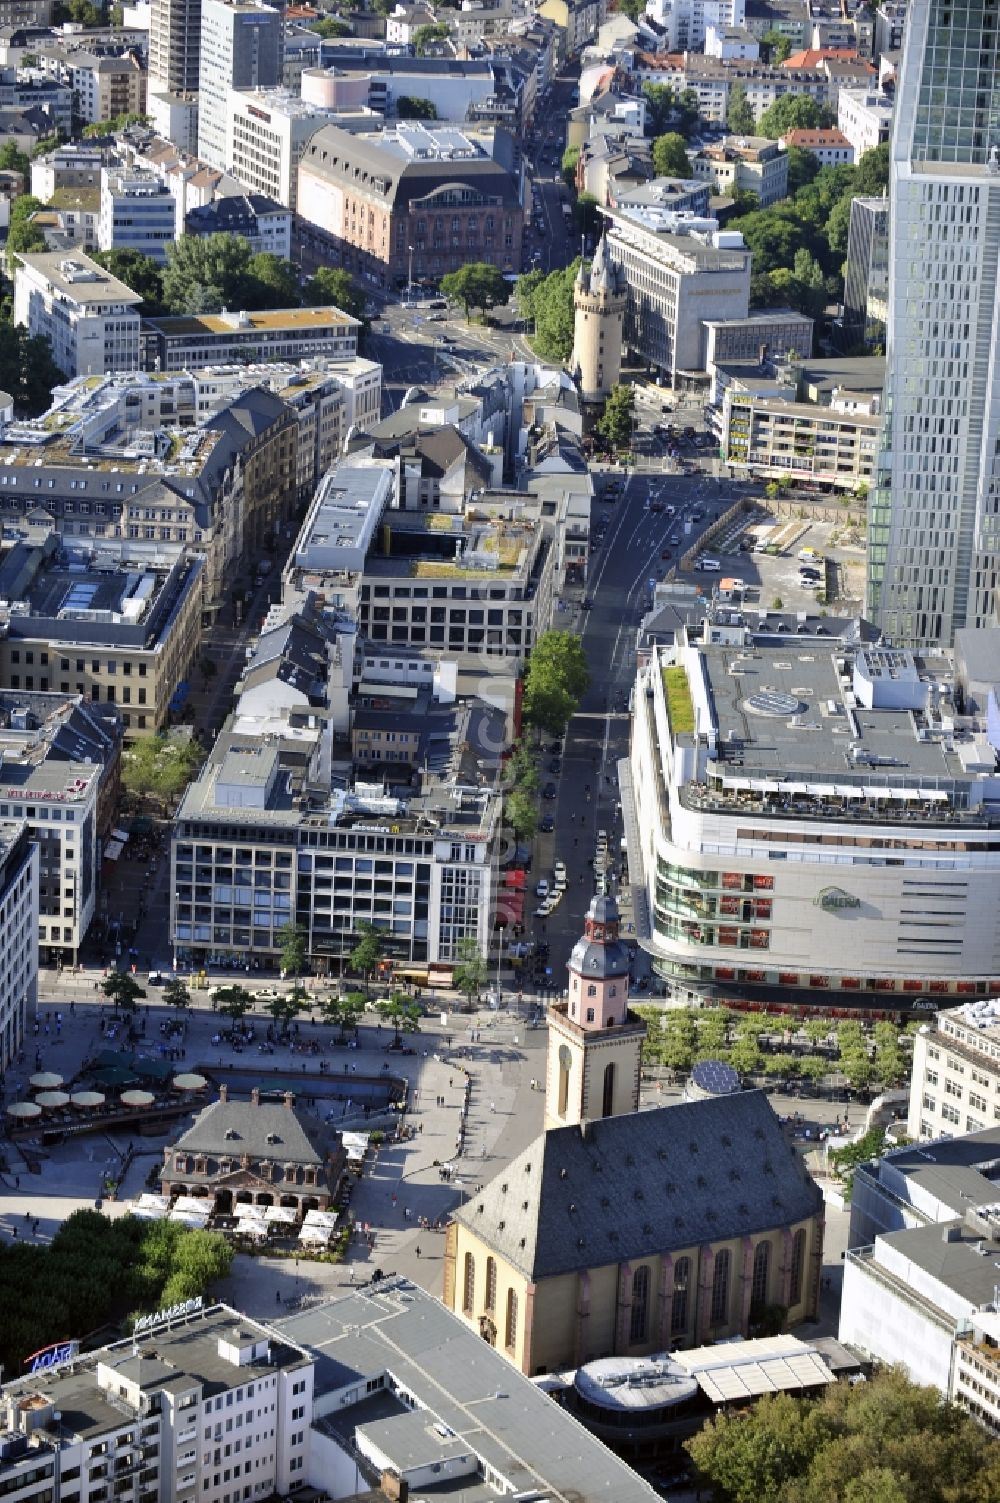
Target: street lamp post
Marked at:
409, 276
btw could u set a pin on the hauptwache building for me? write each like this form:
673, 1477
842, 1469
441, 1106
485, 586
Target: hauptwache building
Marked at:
627, 1232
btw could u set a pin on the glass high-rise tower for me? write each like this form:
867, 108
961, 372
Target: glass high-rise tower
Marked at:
934, 524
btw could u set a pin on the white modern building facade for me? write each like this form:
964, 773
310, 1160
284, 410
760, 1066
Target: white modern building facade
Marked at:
865, 117
800, 833
934, 525
955, 1082
137, 214
90, 317
241, 48
266, 134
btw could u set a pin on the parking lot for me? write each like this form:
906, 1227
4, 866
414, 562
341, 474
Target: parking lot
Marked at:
777, 581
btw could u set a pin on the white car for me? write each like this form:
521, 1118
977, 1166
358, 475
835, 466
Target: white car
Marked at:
542, 888
560, 873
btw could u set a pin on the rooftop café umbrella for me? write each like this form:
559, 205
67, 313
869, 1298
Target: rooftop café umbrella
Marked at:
52, 1099
24, 1109
46, 1080
137, 1098
190, 1081
87, 1098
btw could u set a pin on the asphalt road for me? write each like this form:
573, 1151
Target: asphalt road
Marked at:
598, 736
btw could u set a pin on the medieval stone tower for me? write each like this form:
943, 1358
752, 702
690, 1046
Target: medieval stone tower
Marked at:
599, 300
594, 1045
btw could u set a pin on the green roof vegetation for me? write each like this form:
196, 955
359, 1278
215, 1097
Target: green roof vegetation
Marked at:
680, 706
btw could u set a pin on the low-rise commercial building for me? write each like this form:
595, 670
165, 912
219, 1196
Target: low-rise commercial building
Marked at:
262, 222
681, 273
744, 164
865, 117
19, 952
830, 147
866, 275
767, 334
808, 823
400, 1389
955, 1082
825, 431
60, 775
154, 1412
137, 214
182, 342
89, 316
102, 621
414, 201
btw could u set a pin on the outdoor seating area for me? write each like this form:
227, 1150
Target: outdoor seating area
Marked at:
111, 1088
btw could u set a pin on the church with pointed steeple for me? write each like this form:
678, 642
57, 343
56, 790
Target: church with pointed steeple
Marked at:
599, 303
594, 1043
620, 1232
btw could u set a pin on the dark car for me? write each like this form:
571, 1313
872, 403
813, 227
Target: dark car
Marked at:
555, 747
665, 553
587, 605
555, 765
549, 791
547, 824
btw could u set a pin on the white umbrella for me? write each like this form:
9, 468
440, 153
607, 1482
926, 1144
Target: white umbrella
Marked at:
51, 1099
24, 1109
45, 1080
87, 1098
137, 1098
190, 1082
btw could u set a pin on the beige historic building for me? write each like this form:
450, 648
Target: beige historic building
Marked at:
622, 1232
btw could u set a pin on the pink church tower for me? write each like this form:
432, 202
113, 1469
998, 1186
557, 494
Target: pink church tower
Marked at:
594, 1042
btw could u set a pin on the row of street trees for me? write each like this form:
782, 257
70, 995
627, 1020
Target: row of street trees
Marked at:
679, 1037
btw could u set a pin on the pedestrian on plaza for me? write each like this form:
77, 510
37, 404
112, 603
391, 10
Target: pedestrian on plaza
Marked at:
418, 1252
493, 1106
17, 1182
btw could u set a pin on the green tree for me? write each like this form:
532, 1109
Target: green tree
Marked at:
872, 172
272, 282
739, 115
745, 1056
293, 950
286, 1006
425, 36
233, 1002
27, 369
615, 423
141, 273
330, 27
24, 237
476, 285
794, 112
668, 110
525, 289
814, 1067
13, 159
160, 767
176, 995
586, 215
551, 302
857, 1069
415, 107
367, 952
522, 813
342, 1012
403, 1014
670, 158
776, 45
201, 1260
114, 126
206, 273
123, 990
332, 287
470, 973
555, 681
802, 168
570, 157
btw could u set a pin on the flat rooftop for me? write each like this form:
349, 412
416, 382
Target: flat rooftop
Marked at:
274, 320
785, 709
967, 1266
956, 1172
397, 1329
79, 278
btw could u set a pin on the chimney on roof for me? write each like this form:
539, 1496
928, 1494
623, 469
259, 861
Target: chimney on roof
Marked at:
223, 1093
255, 1096
289, 1099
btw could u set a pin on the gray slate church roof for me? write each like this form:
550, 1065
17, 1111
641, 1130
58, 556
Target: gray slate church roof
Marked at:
643, 1184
